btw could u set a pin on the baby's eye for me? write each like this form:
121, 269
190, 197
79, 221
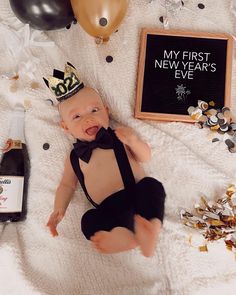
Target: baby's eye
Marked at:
94, 110
77, 116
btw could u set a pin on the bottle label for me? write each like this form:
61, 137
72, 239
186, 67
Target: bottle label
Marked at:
11, 193
12, 144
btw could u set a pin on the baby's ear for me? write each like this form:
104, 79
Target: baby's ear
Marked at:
64, 126
107, 109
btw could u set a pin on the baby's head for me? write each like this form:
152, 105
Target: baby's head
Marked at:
83, 114
81, 108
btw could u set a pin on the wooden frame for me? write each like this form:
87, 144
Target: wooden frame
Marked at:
141, 68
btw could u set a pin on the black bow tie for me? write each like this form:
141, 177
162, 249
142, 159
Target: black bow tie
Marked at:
84, 149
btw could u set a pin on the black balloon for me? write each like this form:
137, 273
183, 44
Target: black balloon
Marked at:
43, 14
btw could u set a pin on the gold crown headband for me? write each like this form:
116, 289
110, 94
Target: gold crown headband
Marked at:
64, 84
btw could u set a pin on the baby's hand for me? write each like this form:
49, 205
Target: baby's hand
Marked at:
53, 221
126, 135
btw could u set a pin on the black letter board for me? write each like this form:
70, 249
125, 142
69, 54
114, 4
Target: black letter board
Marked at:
176, 69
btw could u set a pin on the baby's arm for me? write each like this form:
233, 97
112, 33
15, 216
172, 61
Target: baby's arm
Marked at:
140, 150
64, 194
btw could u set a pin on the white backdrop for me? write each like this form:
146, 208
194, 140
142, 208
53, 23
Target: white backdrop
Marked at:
183, 158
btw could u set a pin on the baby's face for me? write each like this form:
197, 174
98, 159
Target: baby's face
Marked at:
84, 114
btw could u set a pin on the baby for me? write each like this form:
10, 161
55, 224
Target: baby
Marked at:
129, 206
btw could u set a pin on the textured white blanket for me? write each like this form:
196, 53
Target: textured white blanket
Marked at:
184, 160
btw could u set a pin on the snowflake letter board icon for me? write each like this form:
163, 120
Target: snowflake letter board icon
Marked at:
178, 68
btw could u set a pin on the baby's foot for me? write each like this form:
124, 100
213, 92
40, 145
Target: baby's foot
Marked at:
117, 240
146, 233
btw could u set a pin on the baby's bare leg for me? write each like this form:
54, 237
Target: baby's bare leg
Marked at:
117, 240
146, 234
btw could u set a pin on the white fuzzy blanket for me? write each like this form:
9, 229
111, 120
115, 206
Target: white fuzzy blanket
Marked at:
184, 160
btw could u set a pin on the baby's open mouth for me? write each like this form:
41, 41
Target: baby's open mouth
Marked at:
92, 130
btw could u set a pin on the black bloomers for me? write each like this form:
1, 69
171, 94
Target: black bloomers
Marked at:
146, 198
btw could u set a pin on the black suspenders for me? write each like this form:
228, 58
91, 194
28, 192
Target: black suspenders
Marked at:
76, 166
122, 161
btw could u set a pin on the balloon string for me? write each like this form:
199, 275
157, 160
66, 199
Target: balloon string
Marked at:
47, 43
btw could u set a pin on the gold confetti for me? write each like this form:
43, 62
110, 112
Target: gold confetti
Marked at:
215, 220
34, 85
212, 103
16, 77
203, 248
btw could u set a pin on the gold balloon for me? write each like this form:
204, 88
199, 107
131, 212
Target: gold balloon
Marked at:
100, 18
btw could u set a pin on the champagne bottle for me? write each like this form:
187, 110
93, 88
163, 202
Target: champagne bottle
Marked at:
14, 171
